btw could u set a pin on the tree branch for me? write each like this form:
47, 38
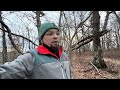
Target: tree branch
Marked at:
79, 25
20, 36
10, 36
86, 40
99, 72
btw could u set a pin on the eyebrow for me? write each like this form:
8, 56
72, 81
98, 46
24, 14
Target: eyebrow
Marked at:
53, 31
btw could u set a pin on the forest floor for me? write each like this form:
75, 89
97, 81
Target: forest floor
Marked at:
83, 69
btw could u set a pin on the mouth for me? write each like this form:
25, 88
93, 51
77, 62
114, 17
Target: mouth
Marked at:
55, 42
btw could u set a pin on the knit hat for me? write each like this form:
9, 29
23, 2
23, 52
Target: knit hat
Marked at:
44, 28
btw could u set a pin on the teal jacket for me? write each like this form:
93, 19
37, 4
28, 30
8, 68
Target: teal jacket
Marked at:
38, 64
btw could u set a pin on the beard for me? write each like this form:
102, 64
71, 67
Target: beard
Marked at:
54, 45
55, 49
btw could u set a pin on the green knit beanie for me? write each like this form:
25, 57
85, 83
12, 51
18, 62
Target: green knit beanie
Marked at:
44, 28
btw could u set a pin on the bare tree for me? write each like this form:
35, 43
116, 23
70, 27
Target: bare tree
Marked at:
38, 15
28, 19
71, 25
63, 32
10, 36
117, 33
104, 28
97, 50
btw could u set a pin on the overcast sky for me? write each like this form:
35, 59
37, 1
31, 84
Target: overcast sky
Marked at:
14, 22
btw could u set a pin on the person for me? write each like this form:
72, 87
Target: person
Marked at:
47, 61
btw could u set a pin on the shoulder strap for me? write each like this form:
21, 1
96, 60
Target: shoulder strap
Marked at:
35, 54
65, 55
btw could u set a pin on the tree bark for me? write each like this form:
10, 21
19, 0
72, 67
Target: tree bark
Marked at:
38, 15
97, 50
4, 51
117, 38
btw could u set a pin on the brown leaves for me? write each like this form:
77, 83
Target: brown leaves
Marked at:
82, 69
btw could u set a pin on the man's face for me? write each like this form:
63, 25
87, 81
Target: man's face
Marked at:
51, 38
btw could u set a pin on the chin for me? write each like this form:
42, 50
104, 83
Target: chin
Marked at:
56, 46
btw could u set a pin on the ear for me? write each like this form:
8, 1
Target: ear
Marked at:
41, 42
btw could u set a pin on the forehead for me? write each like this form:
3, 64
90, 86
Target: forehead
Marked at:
53, 30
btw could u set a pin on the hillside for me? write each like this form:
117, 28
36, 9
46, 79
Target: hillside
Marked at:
83, 69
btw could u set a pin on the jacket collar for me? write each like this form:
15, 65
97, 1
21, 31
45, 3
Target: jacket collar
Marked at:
43, 50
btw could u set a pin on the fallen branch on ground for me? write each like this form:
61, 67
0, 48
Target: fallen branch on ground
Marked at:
99, 72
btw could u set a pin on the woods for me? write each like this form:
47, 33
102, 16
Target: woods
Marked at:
81, 32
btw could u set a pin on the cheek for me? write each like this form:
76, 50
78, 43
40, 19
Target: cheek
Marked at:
46, 40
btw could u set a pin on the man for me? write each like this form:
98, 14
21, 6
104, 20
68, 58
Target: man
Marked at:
47, 61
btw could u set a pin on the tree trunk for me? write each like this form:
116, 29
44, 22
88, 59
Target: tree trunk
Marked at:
38, 21
118, 19
108, 37
83, 35
28, 38
79, 51
38, 15
97, 50
104, 28
103, 42
118, 33
117, 42
4, 51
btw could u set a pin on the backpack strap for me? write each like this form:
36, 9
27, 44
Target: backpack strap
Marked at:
34, 54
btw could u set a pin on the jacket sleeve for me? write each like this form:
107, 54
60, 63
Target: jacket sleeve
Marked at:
20, 68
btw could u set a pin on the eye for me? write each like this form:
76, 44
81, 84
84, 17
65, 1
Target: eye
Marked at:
51, 33
48, 33
58, 33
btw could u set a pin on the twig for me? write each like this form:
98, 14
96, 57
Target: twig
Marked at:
98, 71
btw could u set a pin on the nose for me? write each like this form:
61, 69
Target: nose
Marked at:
55, 35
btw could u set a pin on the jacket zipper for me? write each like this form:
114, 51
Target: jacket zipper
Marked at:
62, 71
62, 68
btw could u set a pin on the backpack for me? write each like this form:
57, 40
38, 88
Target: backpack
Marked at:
34, 54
